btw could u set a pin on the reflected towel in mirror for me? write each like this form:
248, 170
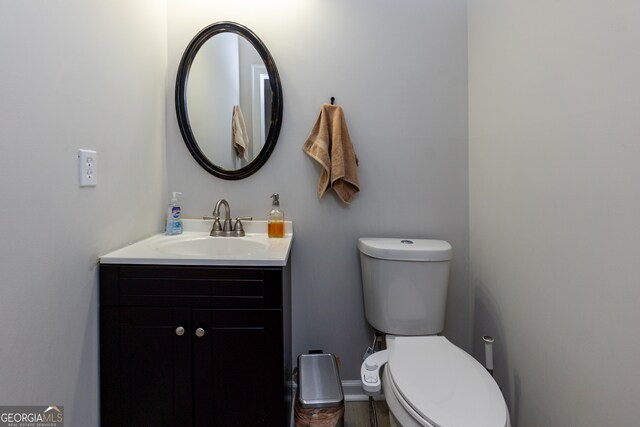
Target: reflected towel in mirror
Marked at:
240, 139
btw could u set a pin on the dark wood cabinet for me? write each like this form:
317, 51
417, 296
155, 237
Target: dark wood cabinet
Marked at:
195, 346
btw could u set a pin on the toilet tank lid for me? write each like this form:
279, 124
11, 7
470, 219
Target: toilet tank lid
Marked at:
405, 249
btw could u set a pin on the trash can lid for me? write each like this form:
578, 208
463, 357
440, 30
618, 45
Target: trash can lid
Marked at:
319, 383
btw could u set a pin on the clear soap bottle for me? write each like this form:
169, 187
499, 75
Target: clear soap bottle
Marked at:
275, 219
174, 223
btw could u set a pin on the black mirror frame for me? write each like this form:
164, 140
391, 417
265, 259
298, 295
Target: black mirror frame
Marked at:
181, 100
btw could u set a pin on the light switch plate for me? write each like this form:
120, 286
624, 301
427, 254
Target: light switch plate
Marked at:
88, 168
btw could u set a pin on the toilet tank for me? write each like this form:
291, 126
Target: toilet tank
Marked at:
404, 283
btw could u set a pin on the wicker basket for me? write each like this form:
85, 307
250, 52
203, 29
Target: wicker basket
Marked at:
318, 417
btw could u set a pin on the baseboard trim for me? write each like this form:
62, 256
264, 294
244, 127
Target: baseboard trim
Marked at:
353, 392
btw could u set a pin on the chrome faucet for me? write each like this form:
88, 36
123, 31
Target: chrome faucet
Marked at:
218, 229
225, 229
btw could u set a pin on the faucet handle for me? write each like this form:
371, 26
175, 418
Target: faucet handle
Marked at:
216, 230
238, 229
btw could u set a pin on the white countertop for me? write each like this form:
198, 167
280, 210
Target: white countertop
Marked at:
195, 247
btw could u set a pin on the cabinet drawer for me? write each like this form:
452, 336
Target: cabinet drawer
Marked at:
189, 272
192, 293
175, 286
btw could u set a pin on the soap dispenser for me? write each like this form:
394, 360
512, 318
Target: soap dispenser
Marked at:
174, 223
275, 219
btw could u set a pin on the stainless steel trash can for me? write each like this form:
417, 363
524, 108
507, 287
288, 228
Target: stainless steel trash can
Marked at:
320, 399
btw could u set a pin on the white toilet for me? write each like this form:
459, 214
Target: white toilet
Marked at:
426, 380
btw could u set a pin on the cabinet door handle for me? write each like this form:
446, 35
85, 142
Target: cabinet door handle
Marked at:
179, 331
199, 332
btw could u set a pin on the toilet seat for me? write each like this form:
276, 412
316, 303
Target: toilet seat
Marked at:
442, 384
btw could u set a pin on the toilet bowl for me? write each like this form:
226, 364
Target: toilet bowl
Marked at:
426, 380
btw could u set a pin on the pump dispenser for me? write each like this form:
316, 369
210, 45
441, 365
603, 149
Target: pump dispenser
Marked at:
174, 223
275, 219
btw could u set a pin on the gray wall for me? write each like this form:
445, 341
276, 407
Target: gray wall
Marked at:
555, 202
74, 74
400, 73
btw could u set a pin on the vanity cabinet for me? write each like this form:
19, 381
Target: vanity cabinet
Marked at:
195, 346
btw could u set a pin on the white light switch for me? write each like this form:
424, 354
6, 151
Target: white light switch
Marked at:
88, 168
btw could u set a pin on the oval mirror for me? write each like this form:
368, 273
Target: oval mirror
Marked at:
228, 100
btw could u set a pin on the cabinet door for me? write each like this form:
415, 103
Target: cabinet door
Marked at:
152, 384
233, 368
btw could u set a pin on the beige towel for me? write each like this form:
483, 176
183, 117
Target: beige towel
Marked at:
330, 145
239, 137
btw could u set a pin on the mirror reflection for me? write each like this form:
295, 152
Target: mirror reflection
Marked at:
229, 100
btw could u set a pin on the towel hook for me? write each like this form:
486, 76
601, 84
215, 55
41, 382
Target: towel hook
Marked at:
332, 99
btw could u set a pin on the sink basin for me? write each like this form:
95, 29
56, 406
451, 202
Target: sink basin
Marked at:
212, 246
196, 247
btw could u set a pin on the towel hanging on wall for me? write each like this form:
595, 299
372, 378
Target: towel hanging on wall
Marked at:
330, 145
